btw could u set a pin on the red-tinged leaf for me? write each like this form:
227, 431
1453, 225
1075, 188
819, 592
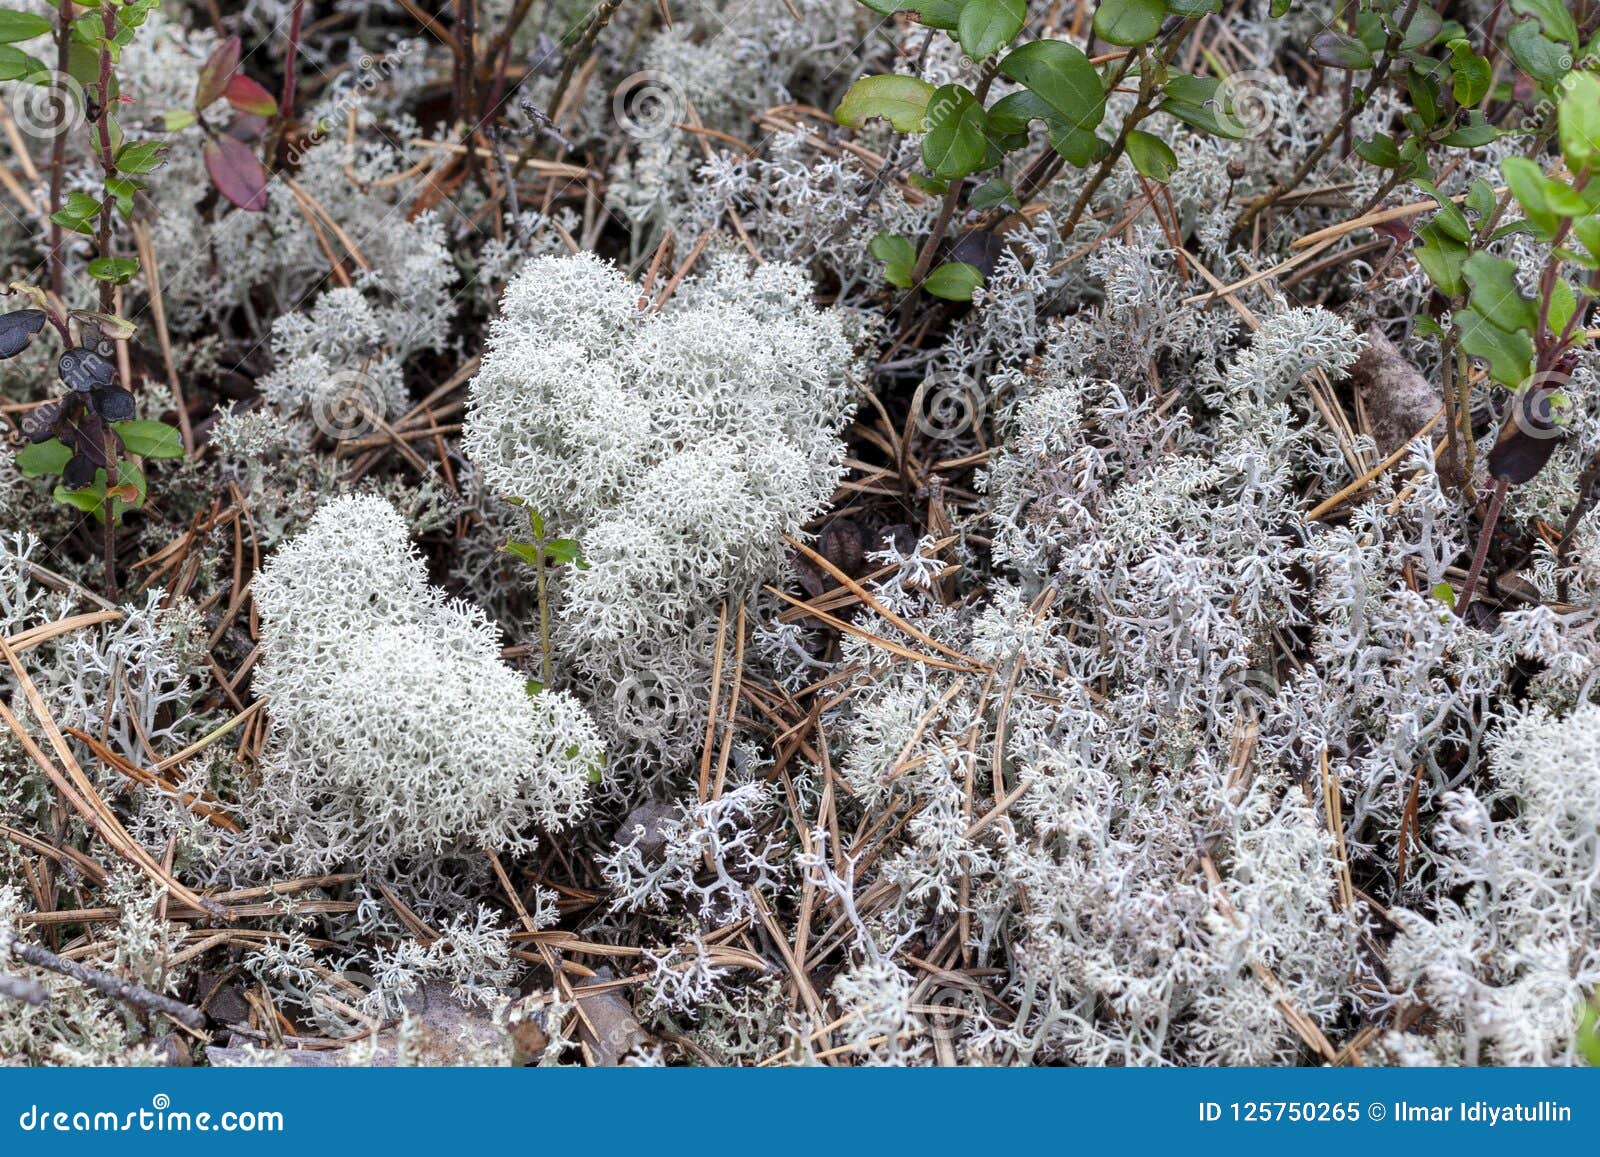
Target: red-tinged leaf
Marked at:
216, 72
247, 96
237, 173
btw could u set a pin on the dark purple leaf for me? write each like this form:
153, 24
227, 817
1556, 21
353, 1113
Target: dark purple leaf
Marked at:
39, 423
85, 369
979, 248
237, 173
79, 471
1528, 438
115, 404
17, 330
216, 72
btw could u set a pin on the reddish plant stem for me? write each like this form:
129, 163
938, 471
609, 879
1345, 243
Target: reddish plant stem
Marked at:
1485, 536
108, 299
58, 155
290, 55
108, 162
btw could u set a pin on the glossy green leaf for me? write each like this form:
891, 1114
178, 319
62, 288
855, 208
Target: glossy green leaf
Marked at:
987, 26
19, 26
1079, 147
1563, 304
1481, 198
1509, 354
899, 258
566, 552
1441, 257
1203, 102
1340, 50
1062, 77
1473, 133
1555, 15
526, 551
1128, 22
1587, 231
1449, 217
91, 499
115, 270
16, 64
1425, 25
900, 100
1380, 150
1527, 183
141, 157
78, 214
47, 457
1537, 55
1471, 74
1424, 92
954, 281
956, 142
1579, 117
941, 14
150, 439
993, 194
1012, 112
1495, 294
1151, 156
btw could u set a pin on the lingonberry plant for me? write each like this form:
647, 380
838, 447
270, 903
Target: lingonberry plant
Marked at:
1054, 83
89, 436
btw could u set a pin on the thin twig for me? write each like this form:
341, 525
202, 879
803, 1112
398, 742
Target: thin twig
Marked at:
109, 985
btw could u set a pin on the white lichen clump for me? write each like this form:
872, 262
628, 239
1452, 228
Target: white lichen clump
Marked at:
1510, 960
678, 446
396, 730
